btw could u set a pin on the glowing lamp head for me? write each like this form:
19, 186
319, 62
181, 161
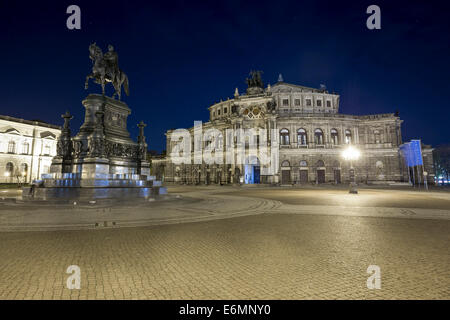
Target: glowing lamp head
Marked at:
351, 153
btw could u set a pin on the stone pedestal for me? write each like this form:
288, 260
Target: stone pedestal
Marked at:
101, 161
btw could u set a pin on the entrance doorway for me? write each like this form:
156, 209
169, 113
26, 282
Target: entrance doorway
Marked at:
320, 176
285, 176
303, 176
252, 171
252, 174
337, 176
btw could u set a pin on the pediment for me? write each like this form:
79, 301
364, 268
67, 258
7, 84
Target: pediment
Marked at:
10, 130
48, 135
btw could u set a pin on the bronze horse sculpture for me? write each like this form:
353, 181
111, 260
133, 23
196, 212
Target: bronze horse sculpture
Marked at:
105, 69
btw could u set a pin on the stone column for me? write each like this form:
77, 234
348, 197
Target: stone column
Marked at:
62, 162
143, 166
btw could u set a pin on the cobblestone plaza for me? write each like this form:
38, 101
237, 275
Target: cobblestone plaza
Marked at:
272, 248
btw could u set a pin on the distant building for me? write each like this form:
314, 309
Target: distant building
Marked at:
26, 149
311, 135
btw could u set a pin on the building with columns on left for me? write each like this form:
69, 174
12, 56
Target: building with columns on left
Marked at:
26, 149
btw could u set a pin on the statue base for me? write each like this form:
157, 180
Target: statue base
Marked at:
103, 162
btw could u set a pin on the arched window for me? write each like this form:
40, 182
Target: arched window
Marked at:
9, 169
334, 137
318, 136
25, 148
348, 136
302, 137
11, 147
320, 163
303, 163
24, 169
284, 137
285, 163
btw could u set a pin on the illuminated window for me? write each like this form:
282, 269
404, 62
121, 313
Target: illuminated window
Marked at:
348, 136
11, 147
9, 169
301, 137
285, 163
318, 136
24, 169
334, 137
284, 137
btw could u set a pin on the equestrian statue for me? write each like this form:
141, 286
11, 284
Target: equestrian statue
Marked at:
106, 69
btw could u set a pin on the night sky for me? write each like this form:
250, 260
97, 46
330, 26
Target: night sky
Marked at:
183, 56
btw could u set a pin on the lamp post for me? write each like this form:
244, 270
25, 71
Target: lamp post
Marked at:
351, 154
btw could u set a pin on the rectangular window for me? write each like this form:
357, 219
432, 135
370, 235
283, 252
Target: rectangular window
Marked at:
308, 102
285, 102
328, 103
225, 110
11, 147
25, 148
297, 102
319, 103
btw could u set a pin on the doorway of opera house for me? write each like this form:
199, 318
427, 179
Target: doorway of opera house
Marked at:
320, 176
252, 170
303, 176
337, 176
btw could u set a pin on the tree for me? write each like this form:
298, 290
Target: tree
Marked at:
441, 156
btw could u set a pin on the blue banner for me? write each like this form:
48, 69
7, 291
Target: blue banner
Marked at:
412, 153
416, 152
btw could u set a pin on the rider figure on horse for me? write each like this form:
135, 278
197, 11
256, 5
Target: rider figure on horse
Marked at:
112, 63
106, 69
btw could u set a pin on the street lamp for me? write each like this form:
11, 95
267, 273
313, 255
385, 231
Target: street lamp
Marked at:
351, 154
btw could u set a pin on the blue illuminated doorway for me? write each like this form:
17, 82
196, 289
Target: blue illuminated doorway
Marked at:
252, 172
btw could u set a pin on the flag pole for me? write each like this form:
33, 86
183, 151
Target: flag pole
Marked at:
425, 180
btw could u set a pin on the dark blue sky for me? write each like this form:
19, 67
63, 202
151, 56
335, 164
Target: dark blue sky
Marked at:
182, 56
